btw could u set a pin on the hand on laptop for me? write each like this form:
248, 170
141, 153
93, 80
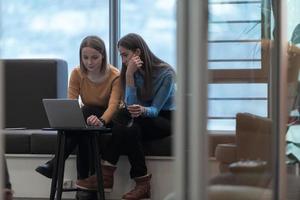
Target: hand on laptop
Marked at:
94, 121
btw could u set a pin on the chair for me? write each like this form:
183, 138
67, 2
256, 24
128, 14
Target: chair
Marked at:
253, 142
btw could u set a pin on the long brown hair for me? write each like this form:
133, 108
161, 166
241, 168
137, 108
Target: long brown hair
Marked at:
132, 42
96, 43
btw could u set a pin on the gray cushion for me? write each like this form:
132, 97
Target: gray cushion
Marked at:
43, 142
27, 82
17, 141
161, 147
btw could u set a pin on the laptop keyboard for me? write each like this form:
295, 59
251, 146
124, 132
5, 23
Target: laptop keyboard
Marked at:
93, 127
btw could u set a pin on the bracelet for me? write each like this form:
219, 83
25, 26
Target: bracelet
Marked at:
102, 121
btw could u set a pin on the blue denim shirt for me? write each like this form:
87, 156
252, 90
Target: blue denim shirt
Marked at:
163, 98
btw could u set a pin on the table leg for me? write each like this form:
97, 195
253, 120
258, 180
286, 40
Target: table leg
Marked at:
54, 175
98, 169
61, 166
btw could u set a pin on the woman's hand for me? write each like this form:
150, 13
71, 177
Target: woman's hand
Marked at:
94, 121
133, 65
136, 110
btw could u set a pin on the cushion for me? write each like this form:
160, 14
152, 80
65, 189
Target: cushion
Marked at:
26, 83
43, 142
17, 141
253, 131
219, 137
161, 147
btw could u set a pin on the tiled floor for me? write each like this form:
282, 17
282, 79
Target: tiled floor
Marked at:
293, 182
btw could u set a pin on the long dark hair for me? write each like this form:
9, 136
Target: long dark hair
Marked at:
96, 43
133, 42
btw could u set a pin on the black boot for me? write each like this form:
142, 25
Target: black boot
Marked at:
86, 195
46, 169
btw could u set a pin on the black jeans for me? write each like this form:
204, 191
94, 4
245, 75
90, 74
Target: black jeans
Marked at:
84, 161
130, 140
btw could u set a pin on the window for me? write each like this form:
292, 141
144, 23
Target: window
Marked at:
54, 29
51, 28
239, 77
155, 21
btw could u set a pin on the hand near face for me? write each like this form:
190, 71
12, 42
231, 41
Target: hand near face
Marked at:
136, 110
134, 64
94, 121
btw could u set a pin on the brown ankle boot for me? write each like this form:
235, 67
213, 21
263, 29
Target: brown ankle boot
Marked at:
108, 177
90, 183
141, 189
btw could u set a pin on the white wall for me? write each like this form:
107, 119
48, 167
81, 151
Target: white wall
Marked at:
29, 184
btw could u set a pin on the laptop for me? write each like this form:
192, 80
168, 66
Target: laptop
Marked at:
66, 114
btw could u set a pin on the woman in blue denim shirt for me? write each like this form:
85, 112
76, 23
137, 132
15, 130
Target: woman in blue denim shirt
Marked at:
149, 91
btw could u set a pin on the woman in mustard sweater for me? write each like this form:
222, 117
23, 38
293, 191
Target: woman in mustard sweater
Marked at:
96, 83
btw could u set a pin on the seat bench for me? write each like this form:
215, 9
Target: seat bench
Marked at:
36, 141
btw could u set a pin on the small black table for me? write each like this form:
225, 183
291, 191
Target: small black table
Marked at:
58, 173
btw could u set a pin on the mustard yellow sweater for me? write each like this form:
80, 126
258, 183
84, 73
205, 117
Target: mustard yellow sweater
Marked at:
106, 94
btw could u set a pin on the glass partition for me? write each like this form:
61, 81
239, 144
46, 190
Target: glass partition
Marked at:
237, 61
240, 104
292, 27
251, 88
